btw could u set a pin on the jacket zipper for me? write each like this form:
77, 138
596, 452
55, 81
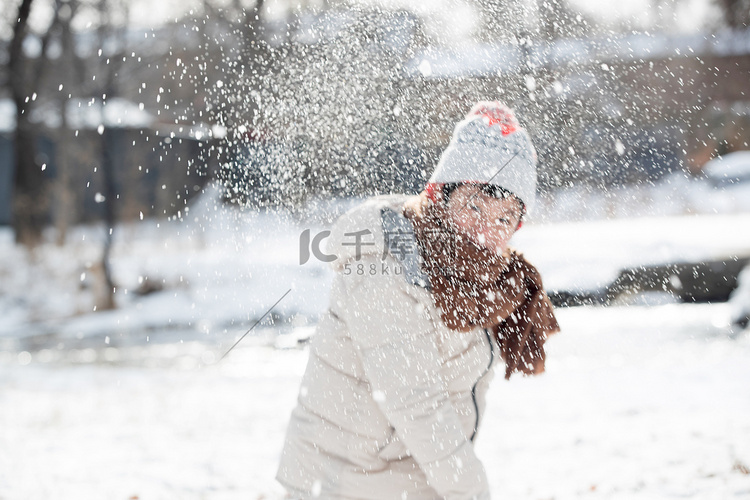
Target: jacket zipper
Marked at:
474, 388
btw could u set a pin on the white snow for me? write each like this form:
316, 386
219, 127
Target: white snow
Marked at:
7, 116
589, 255
732, 166
739, 300
220, 270
636, 403
92, 114
477, 59
675, 194
120, 431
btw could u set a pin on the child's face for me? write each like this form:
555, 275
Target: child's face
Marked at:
488, 221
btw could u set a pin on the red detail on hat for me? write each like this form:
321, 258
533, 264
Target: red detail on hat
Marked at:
494, 112
432, 189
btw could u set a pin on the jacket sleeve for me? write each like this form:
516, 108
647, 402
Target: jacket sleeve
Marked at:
399, 355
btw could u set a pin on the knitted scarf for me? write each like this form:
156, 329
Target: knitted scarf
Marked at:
474, 287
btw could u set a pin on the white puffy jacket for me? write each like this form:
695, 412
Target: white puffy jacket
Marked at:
391, 398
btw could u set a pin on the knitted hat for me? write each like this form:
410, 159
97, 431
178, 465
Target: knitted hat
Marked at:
489, 146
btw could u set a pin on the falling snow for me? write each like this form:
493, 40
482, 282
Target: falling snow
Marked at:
177, 153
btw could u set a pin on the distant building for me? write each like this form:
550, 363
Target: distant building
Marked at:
157, 167
631, 106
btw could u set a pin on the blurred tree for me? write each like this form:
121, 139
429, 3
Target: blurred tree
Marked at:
504, 21
236, 51
236, 56
736, 13
557, 20
112, 33
25, 72
334, 105
663, 14
69, 74
501, 20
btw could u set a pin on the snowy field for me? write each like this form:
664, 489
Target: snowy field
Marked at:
647, 403
638, 402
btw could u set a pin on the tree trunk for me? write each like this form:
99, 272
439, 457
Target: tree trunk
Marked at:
736, 13
110, 151
29, 186
70, 79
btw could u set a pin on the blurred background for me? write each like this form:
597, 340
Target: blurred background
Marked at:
160, 160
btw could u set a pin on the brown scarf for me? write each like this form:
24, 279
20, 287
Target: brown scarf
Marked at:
474, 287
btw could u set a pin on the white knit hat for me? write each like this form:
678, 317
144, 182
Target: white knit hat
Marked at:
489, 146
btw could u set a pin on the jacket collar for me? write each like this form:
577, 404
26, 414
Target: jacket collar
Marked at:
401, 243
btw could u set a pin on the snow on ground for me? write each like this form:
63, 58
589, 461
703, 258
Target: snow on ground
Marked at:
675, 194
636, 403
589, 255
220, 269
